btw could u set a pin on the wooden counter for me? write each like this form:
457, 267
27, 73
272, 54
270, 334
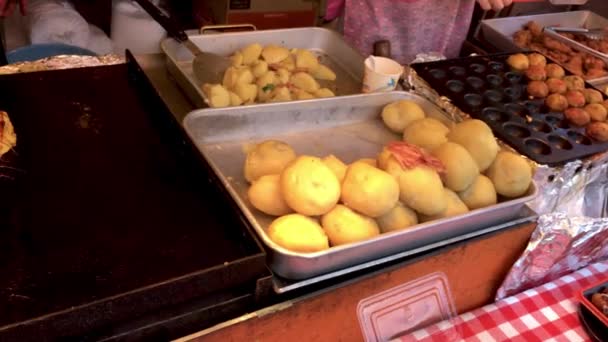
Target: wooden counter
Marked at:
474, 270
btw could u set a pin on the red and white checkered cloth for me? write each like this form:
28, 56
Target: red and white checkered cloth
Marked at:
547, 313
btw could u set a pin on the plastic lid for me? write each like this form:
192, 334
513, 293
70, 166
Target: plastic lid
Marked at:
406, 308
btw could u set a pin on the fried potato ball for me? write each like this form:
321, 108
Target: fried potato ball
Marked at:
476, 136
538, 89
556, 102
336, 165
511, 174
309, 187
480, 194
555, 71
298, 233
398, 218
577, 116
575, 98
265, 195
267, 158
556, 86
369, 190
420, 188
368, 161
387, 162
597, 112
597, 131
461, 168
454, 207
518, 61
398, 115
536, 73
343, 225
574, 82
427, 133
592, 96
536, 59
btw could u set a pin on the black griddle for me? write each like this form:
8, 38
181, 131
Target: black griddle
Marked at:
107, 212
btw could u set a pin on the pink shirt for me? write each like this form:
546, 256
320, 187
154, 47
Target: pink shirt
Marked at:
412, 26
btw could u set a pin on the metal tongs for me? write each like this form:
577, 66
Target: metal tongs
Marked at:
554, 32
593, 34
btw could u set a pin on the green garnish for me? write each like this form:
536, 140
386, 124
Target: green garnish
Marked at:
268, 87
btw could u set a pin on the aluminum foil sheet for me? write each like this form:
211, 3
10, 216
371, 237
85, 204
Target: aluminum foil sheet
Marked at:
560, 245
61, 62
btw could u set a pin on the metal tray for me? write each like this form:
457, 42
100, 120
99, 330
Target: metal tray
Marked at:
348, 127
499, 32
332, 50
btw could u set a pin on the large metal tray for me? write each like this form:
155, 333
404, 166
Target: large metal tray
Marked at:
348, 127
332, 50
499, 32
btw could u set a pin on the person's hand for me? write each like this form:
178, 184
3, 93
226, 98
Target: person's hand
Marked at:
495, 5
8, 6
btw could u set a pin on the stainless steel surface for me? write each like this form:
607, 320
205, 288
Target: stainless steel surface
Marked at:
283, 286
328, 45
593, 34
348, 127
155, 68
499, 32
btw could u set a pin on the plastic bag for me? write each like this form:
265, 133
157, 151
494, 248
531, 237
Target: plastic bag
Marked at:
99, 42
52, 21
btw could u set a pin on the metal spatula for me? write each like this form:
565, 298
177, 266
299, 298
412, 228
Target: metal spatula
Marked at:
207, 67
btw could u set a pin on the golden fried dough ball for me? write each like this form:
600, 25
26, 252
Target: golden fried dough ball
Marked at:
310, 187
398, 115
461, 168
597, 112
555, 71
265, 195
343, 225
274, 54
538, 89
556, 86
597, 131
574, 82
267, 158
369, 190
575, 98
476, 136
592, 96
427, 133
556, 102
454, 207
577, 116
336, 165
536, 73
480, 194
398, 218
536, 59
518, 61
298, 233
420, 188
511, 174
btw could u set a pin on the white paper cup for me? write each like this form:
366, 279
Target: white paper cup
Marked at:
381, 74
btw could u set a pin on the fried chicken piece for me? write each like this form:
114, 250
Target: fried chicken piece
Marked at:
534, 28
594, 63
522, 38
556, 45
575, 65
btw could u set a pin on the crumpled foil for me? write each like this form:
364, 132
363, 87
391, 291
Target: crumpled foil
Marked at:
560, 245
61, 62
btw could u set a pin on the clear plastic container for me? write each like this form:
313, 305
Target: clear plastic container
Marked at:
406, 308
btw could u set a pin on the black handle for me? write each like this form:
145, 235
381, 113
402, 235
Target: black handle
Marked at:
170, 25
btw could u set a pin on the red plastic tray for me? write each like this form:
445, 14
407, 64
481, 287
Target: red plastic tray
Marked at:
584, 297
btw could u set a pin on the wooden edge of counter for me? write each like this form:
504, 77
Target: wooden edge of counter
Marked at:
474, 270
